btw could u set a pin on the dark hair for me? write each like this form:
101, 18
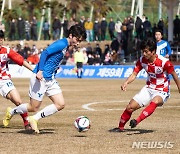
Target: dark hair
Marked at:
78, 31
148, 44
1, 34
159, 30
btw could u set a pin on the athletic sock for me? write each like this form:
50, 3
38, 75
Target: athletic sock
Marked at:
124, 118
19, 109
47, 111
24, 117
147, 112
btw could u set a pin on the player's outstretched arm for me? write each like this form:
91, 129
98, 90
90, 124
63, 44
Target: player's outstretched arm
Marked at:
27, 65
176, 79
130, 79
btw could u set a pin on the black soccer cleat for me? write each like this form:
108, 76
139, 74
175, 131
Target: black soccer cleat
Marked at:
133, 123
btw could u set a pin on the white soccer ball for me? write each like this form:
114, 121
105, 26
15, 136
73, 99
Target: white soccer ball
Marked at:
82, 124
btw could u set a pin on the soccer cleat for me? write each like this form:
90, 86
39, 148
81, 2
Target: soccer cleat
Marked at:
133, 123
28, 127
7, 117
33, 124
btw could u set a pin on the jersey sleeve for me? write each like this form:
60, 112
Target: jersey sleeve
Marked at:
138, 67
168, 67
56, 46
42, 60
17, 58
168, 49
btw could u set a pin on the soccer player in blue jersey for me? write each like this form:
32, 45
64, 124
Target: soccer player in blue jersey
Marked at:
43, 80
163, 47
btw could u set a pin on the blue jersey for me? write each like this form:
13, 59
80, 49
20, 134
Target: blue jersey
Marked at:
163, 48
51, 58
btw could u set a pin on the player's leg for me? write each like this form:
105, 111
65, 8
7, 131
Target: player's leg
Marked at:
9, 91
58, 104
54, 92
158, 98
14, 96
131, 107
137, 102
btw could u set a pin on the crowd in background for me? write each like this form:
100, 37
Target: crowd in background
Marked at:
125, 36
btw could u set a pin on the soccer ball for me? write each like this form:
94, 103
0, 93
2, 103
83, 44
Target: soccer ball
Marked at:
82, 124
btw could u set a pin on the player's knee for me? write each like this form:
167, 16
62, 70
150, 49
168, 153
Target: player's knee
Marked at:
60, 106
17, 103
130, 108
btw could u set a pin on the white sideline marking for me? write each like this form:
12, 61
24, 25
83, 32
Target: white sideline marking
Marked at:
86, 106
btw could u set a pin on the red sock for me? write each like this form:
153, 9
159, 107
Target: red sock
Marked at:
24, 117
124, 118
147, 112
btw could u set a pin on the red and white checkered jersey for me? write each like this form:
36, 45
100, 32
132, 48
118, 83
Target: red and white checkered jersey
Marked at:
5, 54
157, 71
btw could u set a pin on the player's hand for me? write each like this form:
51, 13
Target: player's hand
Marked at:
123, 87
167, 56
39, 75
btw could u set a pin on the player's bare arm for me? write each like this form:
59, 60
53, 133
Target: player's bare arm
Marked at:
130, 79
27, 65
176, 79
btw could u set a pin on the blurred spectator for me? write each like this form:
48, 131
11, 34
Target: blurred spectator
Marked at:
130, 27
111, 28
147, 28
108, 60
103, 28
12, 30
27, 30
89, 30
89, 49
33, 57
71, 22
56, 27
160, 25
90, 59
96, 29
106, 50
46, 27
82, 21
20, 28
118, 25
2, 26
138, 28
65, 27
97, 60
154, 28
98, 50
26, 50
34, 28
176, 23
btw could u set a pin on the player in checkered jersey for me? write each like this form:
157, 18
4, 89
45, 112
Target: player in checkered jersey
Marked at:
7, 88
156, 91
